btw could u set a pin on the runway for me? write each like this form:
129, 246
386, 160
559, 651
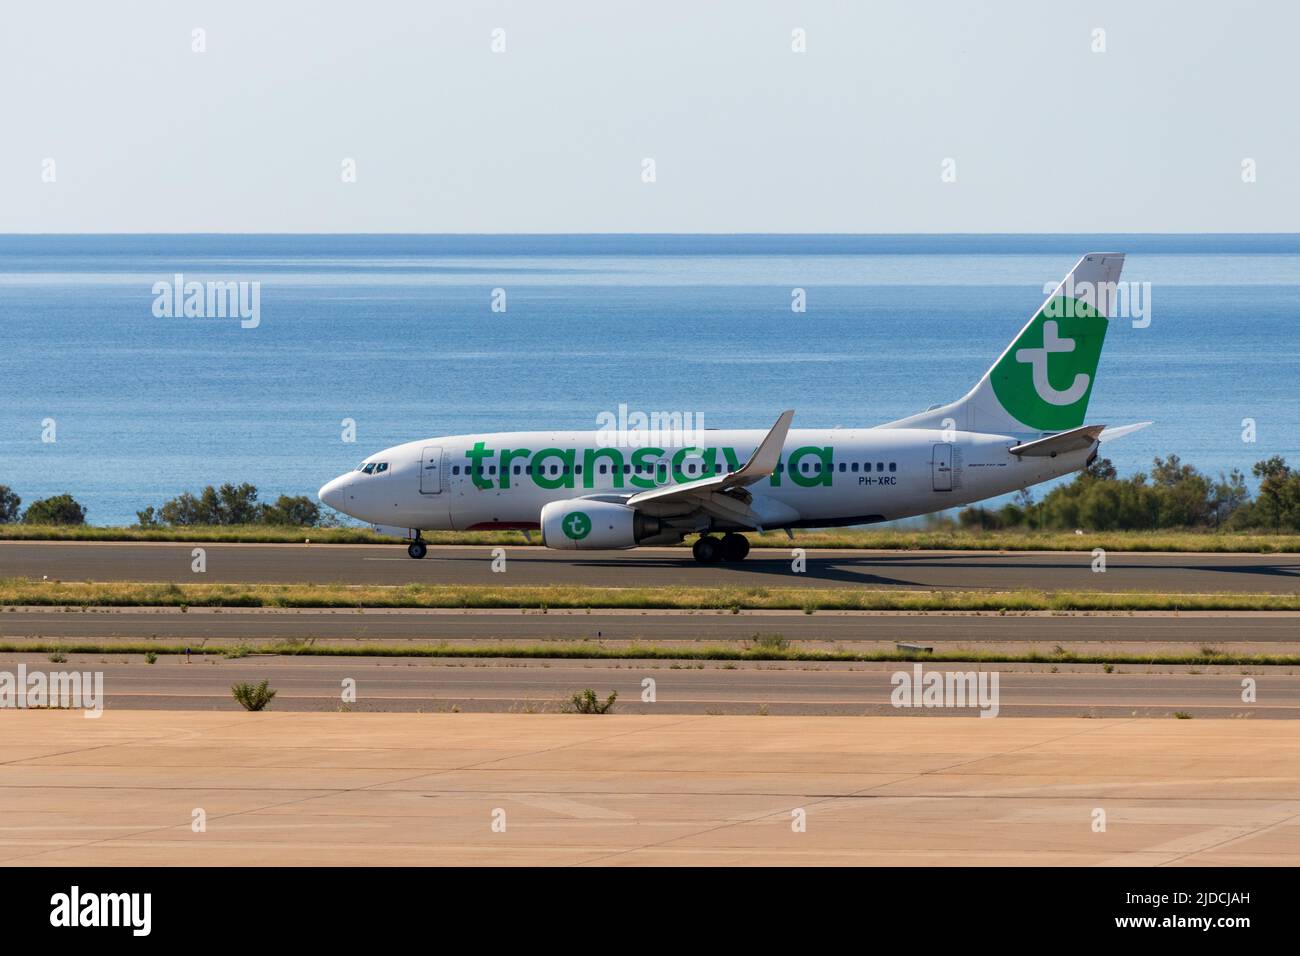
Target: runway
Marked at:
823, 689
281, 789
385, 564
196, 625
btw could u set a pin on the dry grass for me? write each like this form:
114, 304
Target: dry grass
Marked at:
587, 650
884, 540
23, 591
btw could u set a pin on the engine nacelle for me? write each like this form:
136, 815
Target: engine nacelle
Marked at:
586, 524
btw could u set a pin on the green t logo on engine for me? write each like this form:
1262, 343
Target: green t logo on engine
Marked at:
576, 525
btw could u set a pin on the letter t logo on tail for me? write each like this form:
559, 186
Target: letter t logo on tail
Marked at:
1037, 361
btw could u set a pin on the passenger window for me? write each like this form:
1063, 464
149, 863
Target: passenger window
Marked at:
555, 469
518, 469
455, 469
893, 466
855, 466
880, 466
627, 469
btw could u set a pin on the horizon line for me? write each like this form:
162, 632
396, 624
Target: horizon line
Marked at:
558, 235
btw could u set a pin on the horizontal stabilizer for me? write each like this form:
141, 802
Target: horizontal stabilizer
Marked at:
1119, 431
1075, 439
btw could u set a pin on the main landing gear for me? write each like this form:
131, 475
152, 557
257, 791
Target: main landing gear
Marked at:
730, 547
417, 548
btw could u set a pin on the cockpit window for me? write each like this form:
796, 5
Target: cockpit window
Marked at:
381, 467
369, 468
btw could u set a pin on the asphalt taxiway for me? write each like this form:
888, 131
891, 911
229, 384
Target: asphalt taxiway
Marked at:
1278, 632
653, 567
705, 687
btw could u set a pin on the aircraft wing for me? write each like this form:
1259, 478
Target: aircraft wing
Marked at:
725, 496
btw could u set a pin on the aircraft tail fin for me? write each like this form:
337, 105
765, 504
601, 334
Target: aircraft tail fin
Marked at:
1043, 380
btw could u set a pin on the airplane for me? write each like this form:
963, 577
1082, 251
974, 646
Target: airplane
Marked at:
1022, 424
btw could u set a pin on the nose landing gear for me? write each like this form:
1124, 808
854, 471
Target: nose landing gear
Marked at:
417, 549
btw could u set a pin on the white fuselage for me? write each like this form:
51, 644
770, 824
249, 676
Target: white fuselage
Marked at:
840, 476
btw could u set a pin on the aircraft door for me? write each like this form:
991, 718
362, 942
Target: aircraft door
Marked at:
431, 470
941, 467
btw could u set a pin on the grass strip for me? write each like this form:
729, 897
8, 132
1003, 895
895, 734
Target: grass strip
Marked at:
849, 539
23, 591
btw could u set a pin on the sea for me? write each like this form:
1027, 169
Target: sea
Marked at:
365, 341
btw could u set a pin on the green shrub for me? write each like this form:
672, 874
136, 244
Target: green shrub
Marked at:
9, 505
252, 696
229, 505
1174, 495
60, 509
769, 642
586, 703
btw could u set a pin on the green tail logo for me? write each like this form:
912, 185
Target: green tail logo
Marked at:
1045, 379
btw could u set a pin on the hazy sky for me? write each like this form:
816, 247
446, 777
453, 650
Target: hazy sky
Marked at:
747, 135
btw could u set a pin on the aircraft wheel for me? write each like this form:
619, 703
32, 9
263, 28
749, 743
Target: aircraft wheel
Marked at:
734, 547
417, 549
707, 550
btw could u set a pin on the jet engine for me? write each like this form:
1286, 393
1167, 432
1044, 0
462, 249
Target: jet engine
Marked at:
590, 524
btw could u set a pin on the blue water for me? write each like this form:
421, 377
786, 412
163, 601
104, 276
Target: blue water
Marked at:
397, 333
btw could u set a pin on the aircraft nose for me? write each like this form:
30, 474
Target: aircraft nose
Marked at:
331, 493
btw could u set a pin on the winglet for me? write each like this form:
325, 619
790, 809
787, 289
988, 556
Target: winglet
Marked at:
768, 453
